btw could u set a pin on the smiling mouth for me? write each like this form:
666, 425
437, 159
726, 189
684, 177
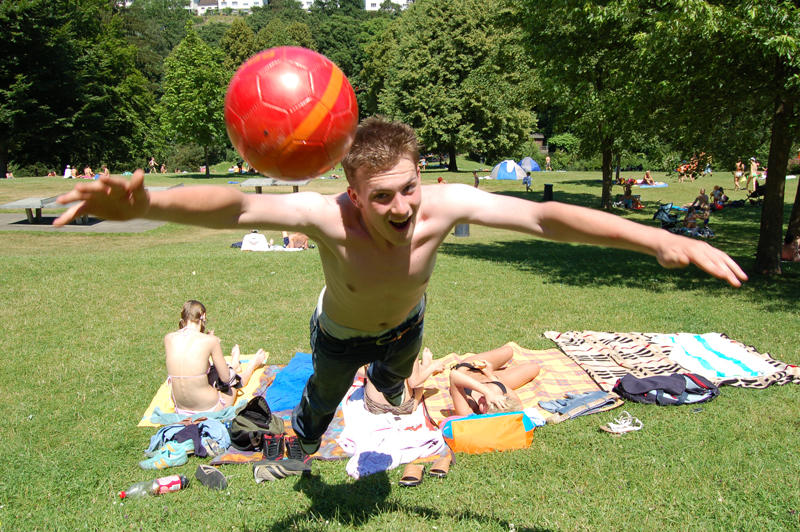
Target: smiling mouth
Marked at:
400, 225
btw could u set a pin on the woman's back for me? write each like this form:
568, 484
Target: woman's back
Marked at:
187, 360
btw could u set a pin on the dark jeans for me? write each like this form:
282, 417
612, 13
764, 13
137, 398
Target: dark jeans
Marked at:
390, 356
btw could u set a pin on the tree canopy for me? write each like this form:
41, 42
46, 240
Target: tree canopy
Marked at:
462, 88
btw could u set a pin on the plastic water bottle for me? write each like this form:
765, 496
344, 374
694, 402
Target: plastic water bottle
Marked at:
155, 487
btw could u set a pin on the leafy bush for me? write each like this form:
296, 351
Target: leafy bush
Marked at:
186, 157
567, 142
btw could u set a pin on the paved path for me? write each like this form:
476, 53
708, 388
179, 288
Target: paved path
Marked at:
19, 222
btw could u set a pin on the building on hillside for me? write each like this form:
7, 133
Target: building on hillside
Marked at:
200, 7
374, 5
539, 139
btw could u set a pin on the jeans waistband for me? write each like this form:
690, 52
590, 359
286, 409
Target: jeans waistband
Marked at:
388, 337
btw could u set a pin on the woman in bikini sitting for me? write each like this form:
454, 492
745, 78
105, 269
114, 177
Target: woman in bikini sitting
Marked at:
483, 383
197, 384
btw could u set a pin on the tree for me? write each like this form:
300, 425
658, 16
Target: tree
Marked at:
337, 37
461, 84
238, 43
194, 90
584, 54
65, 94
738, 61
279, 32
155, 27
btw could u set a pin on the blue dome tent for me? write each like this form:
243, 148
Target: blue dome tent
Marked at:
508, 170
529, 165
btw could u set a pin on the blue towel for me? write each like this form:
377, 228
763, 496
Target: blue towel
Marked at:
286, 390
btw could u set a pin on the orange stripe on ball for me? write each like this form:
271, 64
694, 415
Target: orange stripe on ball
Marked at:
320, 110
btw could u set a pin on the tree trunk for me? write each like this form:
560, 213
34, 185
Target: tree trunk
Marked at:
205, 160
605, 148
793, 231
619, 157
452, 165
3, 157
768, 254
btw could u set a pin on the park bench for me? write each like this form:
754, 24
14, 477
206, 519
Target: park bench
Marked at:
260, 182
34, 206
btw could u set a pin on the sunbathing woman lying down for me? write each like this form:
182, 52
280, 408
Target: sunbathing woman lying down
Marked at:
199, 376
483, 384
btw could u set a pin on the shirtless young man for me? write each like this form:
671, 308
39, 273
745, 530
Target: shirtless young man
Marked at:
737, 174
377, 244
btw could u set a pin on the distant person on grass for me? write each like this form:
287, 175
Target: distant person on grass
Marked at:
377, 244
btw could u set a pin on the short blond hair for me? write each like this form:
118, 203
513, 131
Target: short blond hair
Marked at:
379, 145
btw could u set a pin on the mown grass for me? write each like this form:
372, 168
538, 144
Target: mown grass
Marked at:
83, 316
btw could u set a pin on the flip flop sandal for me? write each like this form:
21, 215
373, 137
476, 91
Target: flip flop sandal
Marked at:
211, 477
412, 475
441, 467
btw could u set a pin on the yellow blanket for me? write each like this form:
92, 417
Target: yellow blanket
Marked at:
163, 399
559, 375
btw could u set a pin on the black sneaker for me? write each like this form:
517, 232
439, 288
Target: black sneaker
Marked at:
294, 450
272, 446
268, 470
211, 477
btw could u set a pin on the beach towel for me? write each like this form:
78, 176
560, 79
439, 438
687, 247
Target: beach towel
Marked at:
285, 391
161, 410
609, 356
559, 376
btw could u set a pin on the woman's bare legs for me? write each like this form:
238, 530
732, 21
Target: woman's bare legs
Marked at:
496, 358
258, 361
518, 376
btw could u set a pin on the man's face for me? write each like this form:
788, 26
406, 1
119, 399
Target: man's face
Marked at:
389, 201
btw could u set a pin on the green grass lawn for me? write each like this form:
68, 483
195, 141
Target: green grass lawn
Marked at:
82, 320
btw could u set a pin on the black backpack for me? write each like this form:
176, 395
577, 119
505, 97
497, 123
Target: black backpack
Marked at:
251, 423
674, 389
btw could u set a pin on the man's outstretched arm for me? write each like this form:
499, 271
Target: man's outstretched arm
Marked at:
208, 206
570, 223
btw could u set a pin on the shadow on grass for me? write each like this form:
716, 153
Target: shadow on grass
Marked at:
354, 504
587, 266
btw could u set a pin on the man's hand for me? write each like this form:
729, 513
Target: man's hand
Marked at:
107, 198
673, 251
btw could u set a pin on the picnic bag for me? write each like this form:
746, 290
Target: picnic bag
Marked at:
483, 433
674, 389
252, 423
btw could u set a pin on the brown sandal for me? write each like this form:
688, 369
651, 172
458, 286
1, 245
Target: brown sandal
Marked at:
412, 475
441, 467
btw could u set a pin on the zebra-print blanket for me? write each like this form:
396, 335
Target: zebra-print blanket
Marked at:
608, 356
